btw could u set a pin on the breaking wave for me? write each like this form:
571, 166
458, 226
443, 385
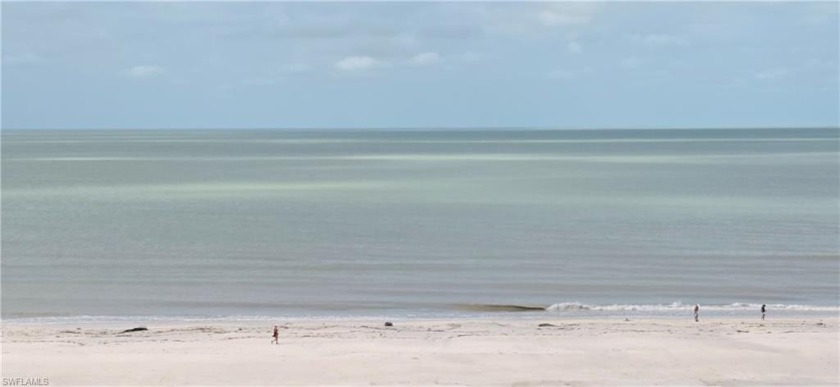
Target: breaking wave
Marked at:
501, 308
679, 306
577, 307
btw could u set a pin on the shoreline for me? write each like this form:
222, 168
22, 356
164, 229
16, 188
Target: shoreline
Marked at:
573, 310
824, 312
497, 351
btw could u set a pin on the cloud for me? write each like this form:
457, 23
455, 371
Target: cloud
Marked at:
425, 59
567, 14
659, 40
145, 71
357, 63
771, 74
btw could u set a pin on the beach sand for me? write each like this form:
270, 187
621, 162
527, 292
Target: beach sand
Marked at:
482, 352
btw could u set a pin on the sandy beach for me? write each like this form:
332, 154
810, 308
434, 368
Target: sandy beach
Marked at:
482, 352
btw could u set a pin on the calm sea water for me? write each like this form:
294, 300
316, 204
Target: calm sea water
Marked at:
359, 223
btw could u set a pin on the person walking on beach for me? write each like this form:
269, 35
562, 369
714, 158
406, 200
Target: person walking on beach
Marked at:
276, 335
697, 313
763, 310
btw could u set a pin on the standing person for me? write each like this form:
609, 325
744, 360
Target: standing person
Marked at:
276, 335
697, 313
763, 310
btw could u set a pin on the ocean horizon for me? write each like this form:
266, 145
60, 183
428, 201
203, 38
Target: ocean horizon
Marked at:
111, 224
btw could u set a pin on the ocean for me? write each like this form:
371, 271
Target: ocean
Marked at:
251, 224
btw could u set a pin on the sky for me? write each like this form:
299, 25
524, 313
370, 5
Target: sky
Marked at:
419, 65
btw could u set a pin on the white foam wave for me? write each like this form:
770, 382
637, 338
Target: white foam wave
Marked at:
677, 306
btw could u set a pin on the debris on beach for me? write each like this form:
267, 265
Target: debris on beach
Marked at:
388, 324
138, 329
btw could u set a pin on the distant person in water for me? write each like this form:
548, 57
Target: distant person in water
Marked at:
276, 335
763, 310
697, 313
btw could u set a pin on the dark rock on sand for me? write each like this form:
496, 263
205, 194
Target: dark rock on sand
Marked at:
138, 329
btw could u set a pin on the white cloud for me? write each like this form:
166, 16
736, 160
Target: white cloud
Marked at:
771, 74
356, 63
658, 40
425, 59
568, 13
145, 71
